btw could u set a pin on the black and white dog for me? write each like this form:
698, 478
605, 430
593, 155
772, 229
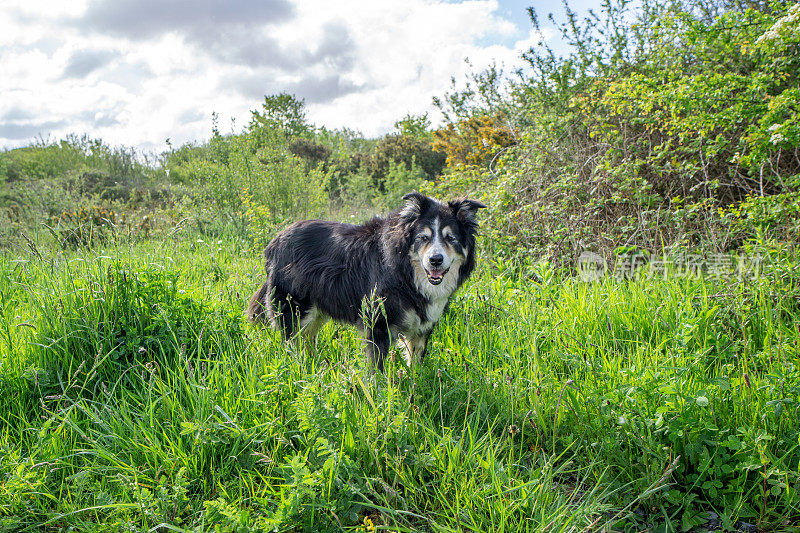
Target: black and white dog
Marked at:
410, 262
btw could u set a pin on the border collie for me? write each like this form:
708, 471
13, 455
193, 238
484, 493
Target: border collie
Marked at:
404, 267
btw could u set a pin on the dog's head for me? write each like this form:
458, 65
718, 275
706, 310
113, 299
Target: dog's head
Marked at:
440, 238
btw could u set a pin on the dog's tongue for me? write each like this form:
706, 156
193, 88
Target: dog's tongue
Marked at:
434, 273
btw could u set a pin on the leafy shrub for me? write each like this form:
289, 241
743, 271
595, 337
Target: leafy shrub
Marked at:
254, 175
657, 117
399, 180
313, 153
43, 160
65, 182
777, 215
474, 141
406, 150
86, 226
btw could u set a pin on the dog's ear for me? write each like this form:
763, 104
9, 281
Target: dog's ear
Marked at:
416, 204
464, 209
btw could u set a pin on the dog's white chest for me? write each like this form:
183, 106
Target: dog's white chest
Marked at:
434, 311
421, 325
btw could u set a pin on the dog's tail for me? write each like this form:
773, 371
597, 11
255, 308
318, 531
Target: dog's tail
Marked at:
258, 308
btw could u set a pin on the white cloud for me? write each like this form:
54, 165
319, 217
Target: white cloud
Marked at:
76, 67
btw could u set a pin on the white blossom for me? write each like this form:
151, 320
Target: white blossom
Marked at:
777, 138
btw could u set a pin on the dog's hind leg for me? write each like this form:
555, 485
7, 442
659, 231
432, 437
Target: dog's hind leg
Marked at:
310, 324
284, 313
299, 321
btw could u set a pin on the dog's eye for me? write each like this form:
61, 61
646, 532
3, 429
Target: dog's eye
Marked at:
450, 238
423, 238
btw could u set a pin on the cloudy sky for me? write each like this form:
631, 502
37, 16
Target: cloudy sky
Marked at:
137, 72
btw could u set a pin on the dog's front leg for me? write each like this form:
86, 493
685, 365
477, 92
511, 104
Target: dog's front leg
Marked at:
377, 346
421, 347
414, 348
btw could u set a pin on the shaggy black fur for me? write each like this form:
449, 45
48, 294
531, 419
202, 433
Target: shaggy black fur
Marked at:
317, 268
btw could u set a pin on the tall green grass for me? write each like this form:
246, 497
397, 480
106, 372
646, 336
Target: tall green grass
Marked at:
134, 396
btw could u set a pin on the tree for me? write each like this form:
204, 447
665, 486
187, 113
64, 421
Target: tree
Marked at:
284, 112
414, 125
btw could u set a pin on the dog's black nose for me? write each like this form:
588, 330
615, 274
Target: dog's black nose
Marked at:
437, 260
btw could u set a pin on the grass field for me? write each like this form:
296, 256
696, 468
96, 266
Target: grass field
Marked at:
134, 396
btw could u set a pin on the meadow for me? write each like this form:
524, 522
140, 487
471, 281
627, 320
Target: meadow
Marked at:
134, 396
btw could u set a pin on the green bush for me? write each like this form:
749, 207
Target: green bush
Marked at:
403, 150
656, 117
85, 227
253, 175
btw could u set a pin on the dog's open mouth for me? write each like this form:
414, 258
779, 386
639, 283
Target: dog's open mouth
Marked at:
435, 276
